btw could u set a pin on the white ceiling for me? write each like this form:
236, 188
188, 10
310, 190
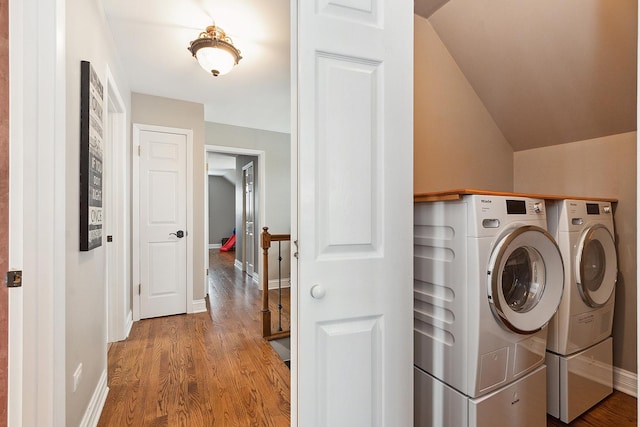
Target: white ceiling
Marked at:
152, 37
548, 71
223, 165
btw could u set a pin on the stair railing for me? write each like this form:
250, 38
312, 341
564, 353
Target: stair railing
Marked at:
266, 239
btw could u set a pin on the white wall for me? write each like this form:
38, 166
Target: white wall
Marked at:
87, 38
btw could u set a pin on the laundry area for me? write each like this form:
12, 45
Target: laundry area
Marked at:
525, 210
509, 325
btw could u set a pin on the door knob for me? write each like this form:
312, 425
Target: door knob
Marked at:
179, 234
318, 291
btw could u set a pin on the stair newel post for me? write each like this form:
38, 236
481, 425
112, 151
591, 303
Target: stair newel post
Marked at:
266, 314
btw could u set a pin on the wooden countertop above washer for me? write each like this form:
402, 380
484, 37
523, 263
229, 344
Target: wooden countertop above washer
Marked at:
457, 195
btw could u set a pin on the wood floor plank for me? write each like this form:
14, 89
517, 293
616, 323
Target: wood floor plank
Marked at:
206, 369
619, 410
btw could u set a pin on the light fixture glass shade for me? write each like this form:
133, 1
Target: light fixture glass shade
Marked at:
215, 51
215, 60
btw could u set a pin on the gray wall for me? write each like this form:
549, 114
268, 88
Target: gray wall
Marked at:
87, 39
155, 110
600, 167
457, 144
222, 205
277, 185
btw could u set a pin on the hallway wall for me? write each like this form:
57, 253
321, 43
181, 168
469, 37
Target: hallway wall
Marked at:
87, 38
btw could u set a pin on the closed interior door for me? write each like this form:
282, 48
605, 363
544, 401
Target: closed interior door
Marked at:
355, 213
163, 218
249, 218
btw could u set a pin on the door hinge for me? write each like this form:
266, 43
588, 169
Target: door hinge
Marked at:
138, 151
139, 288
207, 166
207, 273
14, 279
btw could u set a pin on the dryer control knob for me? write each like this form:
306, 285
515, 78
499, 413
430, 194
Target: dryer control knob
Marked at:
606, 209
537, 207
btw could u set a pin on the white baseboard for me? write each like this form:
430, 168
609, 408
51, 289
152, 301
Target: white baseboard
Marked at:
128, 324
199, 306
215, 245
625, 381
238, 264
273, 283
94, 410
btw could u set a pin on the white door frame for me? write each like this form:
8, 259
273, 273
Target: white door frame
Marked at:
295, 178
256, 232
260, 220
37, 352
119, 314
188, 133
243, 221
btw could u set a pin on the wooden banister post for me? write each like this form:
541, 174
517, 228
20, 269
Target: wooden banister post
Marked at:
266, 314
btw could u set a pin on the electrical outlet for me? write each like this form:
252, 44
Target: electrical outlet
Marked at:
77, 375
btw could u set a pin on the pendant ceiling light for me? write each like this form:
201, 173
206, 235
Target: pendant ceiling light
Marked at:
215, 51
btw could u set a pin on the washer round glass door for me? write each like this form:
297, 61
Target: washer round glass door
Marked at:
596, 265
526, 278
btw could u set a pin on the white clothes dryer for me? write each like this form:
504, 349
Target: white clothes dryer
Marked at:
488, 277
580, 350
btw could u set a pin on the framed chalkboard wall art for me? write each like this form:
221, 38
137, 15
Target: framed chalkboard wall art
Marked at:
91, 150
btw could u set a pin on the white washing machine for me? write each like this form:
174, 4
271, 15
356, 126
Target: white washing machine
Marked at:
580, 348
487, 279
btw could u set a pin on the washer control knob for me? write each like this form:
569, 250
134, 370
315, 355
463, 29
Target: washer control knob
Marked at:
537, 207
318, 291
606, 209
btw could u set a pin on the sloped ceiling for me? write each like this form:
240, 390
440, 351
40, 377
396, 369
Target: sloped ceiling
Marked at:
549, 72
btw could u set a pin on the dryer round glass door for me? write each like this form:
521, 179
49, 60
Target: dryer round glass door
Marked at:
596, 266
526, 278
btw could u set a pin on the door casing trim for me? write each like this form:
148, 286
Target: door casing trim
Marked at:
135, 226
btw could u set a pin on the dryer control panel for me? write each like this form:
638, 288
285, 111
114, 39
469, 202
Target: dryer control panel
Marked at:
575, 215
492, 212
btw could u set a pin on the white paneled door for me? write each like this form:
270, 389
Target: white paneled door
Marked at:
355, 200
163, 220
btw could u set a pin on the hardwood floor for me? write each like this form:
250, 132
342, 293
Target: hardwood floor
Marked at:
617, 410
214, 369
206, 369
